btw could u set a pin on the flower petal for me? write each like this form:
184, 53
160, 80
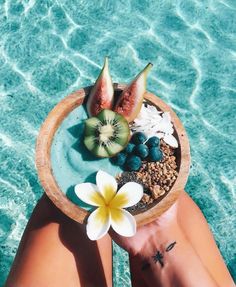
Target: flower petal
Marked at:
88, 192
98, 223
128, 195
123, 222
170, 140
106, 184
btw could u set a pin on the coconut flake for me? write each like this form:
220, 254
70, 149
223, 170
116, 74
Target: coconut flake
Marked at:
152, 122
170, 140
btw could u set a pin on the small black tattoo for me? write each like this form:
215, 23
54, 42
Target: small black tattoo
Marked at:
169, 247
145, 266
158, 257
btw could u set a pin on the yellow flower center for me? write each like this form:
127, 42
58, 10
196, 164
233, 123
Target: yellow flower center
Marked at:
109, 194
110, 198
119, 201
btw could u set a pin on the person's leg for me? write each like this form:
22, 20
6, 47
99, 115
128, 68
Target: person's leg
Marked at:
55, 251
195, 226
197, 230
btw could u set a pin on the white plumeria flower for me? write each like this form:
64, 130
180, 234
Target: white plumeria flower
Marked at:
152, 122
110, 204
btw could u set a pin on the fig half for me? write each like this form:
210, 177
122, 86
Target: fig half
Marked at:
102, 94
130, 101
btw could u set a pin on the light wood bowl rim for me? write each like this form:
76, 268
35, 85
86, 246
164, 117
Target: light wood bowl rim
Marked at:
43, 162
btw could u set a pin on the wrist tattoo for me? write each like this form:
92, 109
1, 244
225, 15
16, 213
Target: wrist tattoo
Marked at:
158, 257
169, 247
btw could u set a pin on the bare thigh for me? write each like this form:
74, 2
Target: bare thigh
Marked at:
55, 251
197, 230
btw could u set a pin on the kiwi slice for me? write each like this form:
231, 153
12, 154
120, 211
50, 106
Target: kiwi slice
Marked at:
106, 134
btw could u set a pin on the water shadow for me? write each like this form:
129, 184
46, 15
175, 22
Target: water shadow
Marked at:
91, 178
77, 131
70, 193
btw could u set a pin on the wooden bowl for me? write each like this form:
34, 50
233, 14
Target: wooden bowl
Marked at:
43, 162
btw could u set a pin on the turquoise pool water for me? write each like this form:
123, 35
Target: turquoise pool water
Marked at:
50, 48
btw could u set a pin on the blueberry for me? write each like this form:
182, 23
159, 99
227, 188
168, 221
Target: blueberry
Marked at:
133, 162
141, 150
119, 159
138, 138
129, 148
153, 141
155, 154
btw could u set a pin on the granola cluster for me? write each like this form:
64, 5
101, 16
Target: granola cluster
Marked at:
157, 178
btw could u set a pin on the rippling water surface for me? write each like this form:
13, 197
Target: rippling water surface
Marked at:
50, 48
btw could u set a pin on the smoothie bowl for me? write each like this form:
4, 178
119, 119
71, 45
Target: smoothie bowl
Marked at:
158, 162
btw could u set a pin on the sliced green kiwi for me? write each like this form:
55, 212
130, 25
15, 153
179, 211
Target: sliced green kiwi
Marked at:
106, 134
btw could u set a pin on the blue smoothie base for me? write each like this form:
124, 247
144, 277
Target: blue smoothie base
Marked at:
71, 162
